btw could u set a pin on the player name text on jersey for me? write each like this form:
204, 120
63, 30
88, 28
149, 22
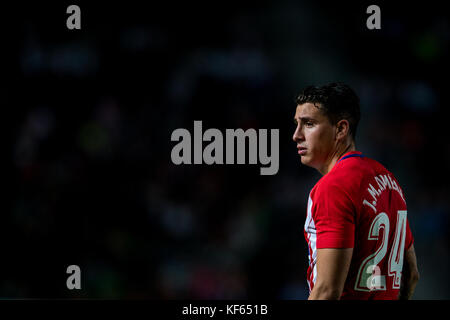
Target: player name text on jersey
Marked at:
383, 182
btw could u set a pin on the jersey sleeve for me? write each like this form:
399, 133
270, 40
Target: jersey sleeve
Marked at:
409, 239
334, 217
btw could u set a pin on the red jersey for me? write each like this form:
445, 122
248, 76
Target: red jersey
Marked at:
360, 205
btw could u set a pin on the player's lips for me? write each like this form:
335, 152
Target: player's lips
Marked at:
301, 150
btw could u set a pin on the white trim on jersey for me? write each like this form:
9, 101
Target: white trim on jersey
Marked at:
310, 229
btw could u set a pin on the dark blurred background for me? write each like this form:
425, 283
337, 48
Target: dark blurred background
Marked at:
89, 115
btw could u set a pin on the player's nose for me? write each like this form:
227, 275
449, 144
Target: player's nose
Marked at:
297, 136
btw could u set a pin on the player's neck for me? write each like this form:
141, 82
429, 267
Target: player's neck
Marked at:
339, 152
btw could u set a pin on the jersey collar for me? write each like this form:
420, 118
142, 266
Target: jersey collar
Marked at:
349, 154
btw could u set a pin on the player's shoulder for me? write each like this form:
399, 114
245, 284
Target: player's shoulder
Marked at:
349, 174
356, 168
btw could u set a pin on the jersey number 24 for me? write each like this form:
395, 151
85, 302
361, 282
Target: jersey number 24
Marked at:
369, 275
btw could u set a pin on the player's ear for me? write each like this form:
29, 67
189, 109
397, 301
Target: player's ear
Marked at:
342, 129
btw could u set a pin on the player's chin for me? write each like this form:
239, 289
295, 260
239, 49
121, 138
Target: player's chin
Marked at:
305, 160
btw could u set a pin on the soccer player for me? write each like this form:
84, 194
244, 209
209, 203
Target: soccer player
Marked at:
359, 240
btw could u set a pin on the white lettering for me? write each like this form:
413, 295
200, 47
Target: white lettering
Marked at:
199, 310
214, 151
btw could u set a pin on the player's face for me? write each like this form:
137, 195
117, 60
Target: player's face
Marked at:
314, 135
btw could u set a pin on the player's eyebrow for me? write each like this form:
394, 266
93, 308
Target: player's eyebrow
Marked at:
303, 119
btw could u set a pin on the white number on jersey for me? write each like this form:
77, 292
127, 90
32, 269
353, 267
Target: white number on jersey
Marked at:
369, 276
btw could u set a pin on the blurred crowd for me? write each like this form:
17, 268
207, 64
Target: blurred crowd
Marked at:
93, 183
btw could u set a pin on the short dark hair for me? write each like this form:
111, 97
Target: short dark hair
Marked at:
338, 101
